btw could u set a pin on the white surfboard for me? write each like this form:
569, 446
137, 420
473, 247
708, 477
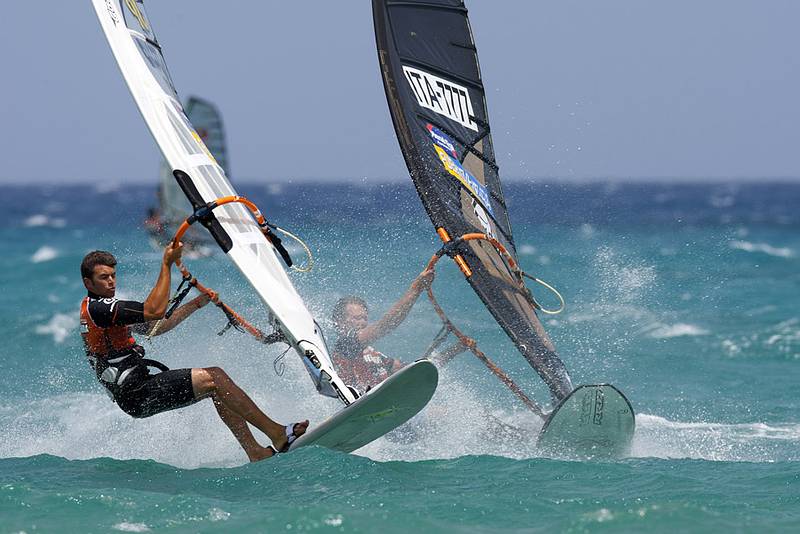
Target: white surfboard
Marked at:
382, 409
592, 421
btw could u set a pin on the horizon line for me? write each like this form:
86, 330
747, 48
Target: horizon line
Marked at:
661, 180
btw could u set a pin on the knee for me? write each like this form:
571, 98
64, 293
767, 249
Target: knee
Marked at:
208, 380
217, 376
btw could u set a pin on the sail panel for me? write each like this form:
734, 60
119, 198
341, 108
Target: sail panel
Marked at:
207, 121
140, 59
436, 97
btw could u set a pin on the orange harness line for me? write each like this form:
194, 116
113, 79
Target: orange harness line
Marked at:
239, 320
468, 342
235, 318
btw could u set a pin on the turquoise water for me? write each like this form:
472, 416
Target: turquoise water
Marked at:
684, 296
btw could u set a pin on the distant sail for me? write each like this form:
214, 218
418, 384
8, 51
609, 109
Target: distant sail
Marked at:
202, 179
436, 97
173, 205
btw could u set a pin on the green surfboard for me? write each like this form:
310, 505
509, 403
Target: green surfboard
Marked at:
382, 409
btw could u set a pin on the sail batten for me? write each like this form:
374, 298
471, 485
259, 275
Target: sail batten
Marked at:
437, 101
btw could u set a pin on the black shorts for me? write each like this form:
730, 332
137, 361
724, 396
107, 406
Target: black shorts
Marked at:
156, 393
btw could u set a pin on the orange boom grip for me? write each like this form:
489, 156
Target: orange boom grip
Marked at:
221, 202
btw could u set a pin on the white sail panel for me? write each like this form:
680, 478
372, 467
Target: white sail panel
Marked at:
138, 54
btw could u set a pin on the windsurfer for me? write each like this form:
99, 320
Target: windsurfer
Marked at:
107, 325
153, 223
358, 363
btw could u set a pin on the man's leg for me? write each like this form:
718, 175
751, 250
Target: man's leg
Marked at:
214, 382
241, 431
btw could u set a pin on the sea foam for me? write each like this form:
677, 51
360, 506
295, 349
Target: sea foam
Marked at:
60, 327
666, 331
40, 219
45, 253
747, 246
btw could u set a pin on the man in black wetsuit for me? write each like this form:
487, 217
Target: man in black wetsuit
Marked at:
106, 327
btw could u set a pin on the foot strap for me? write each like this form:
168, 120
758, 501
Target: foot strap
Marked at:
290, 436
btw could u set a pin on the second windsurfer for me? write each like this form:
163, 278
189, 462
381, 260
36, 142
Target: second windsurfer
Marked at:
358, 363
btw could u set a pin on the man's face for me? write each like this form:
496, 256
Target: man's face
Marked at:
103, 281
355, 317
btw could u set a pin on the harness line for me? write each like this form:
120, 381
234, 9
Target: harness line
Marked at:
234, 319
449, 249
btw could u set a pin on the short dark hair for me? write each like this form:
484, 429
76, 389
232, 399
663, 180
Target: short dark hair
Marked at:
94, 258
341, 305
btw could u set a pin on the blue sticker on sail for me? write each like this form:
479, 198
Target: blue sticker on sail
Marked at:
454, 167
442, 139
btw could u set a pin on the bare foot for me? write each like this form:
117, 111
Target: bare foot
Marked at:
262, 453
298, 429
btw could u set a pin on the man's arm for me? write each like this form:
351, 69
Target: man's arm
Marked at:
178, 316
397, 313
155, 306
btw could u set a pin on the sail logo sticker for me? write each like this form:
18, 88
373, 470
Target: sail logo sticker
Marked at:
443, 97
454, 167
478, 190
441, 139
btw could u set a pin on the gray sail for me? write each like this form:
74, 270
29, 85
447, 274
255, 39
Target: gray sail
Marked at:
436, 97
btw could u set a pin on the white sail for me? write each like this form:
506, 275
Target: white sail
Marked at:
139, 57
174, 207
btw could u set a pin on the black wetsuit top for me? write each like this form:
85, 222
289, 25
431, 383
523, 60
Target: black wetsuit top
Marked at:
114, 312
141, 394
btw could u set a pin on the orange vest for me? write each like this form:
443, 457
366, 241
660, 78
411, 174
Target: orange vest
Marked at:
104, 342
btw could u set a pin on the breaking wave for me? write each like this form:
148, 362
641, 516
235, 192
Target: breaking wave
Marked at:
44, 253
747, 246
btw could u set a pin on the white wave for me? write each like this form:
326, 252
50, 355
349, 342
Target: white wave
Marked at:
747, 246
218, 514
41, 219
131, 527
60, 326
45, 253
777, 339
666, 331
107, 187
526, 250
749, 442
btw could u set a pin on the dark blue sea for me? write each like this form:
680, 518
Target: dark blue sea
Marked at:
685, 296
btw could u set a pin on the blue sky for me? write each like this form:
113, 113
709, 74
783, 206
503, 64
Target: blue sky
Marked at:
576, 89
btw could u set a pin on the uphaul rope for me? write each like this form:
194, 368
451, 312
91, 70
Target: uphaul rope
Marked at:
234, 319
449, 249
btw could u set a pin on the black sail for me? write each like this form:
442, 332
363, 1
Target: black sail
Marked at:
432, 79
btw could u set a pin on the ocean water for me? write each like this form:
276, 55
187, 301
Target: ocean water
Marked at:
685, 296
